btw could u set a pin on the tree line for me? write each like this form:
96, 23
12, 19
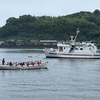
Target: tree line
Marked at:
29, 27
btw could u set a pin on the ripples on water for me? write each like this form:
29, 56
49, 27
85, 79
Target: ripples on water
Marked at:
65, 79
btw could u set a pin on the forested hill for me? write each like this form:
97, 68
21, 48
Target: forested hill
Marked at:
59, 28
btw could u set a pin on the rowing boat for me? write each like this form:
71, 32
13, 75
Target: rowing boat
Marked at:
23, 67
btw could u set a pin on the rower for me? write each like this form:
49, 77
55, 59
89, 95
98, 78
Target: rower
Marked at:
3, 61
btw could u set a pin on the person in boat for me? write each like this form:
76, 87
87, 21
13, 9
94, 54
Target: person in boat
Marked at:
23, 63
39, 62
27, 63
16, 63
3, 61
32, 63
10, 64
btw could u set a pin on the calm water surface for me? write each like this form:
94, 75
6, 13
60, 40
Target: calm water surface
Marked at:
65, 79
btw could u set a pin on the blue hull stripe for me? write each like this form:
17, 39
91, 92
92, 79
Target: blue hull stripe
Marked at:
52, 53
96, 55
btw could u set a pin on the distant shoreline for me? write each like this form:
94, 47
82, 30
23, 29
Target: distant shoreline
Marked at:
28, 46
31, 46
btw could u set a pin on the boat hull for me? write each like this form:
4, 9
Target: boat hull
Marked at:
68, 55
24, 67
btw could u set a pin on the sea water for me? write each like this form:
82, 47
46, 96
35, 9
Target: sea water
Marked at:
65, 79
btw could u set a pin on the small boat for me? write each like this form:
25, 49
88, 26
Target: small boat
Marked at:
73, 49
17, 66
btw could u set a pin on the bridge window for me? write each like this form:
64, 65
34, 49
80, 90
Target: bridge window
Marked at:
81, 48
60, 49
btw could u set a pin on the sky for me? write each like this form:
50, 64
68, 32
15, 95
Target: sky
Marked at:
16, 8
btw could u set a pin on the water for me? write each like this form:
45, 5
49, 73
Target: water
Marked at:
65, 79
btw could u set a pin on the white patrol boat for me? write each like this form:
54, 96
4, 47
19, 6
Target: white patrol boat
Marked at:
73, 50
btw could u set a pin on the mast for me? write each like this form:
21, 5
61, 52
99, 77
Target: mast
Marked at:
76, 34
74, 40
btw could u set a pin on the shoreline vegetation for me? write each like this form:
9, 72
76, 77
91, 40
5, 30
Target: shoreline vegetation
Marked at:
29, 46
30, 27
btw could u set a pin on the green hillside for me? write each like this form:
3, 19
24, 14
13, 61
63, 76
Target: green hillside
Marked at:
47, 27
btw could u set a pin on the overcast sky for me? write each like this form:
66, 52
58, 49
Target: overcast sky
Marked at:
16, 8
